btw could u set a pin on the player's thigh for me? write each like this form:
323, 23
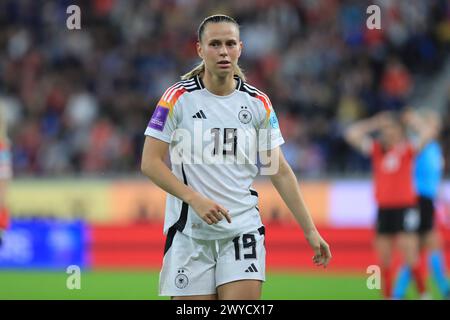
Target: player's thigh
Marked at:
188, 268
409, 235
240, 290
241, 266
408, 240
408, 243
431, 240
384, 244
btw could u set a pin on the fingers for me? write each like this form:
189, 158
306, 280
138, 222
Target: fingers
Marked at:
317, 259
322, 255
225, 213
208, 220
316, 249
211, 217
217, 214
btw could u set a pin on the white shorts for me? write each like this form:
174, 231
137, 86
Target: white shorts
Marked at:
197, 267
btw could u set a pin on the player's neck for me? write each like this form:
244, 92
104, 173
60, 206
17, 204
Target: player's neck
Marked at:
218, 85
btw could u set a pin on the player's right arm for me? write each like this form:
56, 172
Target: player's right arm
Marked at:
358, 134
154, 167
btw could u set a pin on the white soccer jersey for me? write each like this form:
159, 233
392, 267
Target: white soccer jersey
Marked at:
213, 143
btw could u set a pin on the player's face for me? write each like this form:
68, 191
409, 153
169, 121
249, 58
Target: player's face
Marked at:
220, 48
391, 133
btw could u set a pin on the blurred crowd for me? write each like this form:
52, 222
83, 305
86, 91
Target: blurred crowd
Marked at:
78, 101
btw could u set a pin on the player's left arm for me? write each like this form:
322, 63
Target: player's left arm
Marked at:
425, 128
285, 181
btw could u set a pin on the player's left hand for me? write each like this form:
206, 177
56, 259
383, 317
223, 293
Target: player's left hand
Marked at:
322, 253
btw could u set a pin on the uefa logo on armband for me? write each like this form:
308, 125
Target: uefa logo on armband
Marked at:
273, 121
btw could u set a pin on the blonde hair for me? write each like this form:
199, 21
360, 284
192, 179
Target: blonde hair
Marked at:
200, 68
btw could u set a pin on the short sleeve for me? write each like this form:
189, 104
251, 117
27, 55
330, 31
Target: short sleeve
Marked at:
269, 133
164, 119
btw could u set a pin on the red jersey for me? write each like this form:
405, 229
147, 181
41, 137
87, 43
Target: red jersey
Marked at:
393, 175
4, 218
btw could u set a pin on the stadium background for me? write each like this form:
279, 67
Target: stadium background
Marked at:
77, 103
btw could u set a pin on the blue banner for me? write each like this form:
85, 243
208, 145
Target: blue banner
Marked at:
44, 244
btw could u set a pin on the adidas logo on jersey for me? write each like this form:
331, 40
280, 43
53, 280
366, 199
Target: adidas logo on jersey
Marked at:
199, 115
252, 268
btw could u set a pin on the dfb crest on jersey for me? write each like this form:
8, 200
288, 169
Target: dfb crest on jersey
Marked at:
244, 115
181, 280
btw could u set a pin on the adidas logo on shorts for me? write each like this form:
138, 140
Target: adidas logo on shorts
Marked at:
252, 268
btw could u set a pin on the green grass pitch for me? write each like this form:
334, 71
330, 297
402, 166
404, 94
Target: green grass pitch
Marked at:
143, 285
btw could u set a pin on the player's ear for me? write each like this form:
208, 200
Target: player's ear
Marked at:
199, 50
241, 46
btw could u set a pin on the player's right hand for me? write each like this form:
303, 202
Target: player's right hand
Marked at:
208, 210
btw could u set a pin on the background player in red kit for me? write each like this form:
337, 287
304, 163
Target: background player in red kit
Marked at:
428, 172
392, 164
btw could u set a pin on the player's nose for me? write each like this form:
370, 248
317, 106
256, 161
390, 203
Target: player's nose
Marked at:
223, 51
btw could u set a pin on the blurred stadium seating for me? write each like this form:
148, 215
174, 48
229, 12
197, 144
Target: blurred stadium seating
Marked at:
78, 101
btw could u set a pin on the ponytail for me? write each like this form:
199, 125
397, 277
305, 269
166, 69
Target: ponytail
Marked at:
194, 72
238, 72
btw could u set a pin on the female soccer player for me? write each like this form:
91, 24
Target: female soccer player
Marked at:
215, 238
392, 161
429, 167
5, 175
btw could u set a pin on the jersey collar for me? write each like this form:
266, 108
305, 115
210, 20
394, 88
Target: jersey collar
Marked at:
202, 86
